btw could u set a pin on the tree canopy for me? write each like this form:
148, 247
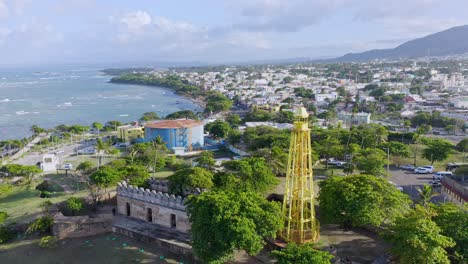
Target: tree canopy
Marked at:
418, 239
225, 221
371, 161
189, 179
360, 200
149, 116
218, 128
254, 174
437, 150
301, 254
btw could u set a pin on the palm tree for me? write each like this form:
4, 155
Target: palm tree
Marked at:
425, 194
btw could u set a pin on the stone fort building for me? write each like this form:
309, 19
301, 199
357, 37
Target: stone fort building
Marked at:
154, 216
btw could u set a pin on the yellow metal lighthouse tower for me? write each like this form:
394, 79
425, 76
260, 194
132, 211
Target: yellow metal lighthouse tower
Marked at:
300, 225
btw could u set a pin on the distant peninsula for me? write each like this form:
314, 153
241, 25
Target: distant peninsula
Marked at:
211, 101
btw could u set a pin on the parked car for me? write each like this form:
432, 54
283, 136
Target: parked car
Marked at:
430, 168
407, 167
332, 162
422, 170
67, 166
340, 164
89, 151
441, 174
435, 183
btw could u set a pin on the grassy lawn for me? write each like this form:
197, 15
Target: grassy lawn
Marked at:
110, 248
420, 161
23, 204
163, 173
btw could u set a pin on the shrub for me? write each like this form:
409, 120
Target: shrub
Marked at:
45, 194
41, 225
48, 242
6, 234
3, 217
74, 204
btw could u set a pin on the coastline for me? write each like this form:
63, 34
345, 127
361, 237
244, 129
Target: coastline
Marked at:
198, 101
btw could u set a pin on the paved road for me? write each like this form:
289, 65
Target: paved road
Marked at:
34, 157
27, 147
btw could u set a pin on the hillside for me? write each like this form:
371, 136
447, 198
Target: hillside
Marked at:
449, 42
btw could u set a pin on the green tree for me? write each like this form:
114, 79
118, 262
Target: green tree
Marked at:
85, 166
233, 120
254, 174
462, 146
149, 116
189, 179
97, 125
217, 102
74, 204
225, 221
206, 160
359, 200
329, 148
106, 177
417, 239
218, 128
453, 221
234, 137
371, 161
36, 130
397, 148
437, 150
301, 254
182, 114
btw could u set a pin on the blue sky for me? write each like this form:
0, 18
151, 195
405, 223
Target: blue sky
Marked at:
42, 32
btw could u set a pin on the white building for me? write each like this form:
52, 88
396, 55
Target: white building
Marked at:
49, 162
356, 119
460, 102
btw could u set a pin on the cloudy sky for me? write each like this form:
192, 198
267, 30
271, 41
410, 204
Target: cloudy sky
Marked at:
39, 32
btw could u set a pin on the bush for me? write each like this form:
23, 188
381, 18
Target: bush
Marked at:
3, 217
42, 224
45, 194
6, 234
48, 242
74, 204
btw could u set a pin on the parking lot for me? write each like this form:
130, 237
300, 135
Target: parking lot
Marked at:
411, 181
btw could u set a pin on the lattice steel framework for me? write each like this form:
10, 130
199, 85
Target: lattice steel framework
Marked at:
300, 225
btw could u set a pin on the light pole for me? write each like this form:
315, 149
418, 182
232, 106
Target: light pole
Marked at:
388, 159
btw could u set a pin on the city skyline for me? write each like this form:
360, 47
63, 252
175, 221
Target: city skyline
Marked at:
91, 31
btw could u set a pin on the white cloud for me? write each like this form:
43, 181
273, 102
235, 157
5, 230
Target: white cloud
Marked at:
4, 12
136, 20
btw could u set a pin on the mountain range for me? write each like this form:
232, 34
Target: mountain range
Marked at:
452, 41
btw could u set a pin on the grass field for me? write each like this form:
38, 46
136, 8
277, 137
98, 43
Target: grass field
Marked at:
23, 204
109, 248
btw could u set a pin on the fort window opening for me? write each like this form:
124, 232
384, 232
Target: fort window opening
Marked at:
173, 221
128, 209
149, 215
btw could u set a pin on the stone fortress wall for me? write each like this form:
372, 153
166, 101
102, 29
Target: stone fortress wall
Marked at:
153, 206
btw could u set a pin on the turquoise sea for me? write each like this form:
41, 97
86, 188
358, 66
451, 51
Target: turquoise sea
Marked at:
75, 96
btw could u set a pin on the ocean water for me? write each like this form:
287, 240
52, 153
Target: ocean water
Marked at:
75, 96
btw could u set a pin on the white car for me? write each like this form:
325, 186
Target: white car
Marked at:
440, 174
67, 166
422, 170
408, 167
